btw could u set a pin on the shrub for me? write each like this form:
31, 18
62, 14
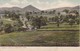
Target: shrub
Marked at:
8, 28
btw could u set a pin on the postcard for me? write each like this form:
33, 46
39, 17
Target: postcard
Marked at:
39, 23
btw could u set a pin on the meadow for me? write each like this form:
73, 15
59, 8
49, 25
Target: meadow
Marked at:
49, 35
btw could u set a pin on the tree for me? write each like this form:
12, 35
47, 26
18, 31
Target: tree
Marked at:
15, 16
75, 12
66, 11
58, 14
66, 19
18, 24
38, 22
50, 12
43, 20
77, 21
42, 12
1, 25
8, 28
58, 21
7, 14
54, 11
27, 15
71, 22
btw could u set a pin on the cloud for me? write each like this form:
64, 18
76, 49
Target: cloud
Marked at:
20, 3
12, 3
41, 4
64, 3
6, 5
56, 4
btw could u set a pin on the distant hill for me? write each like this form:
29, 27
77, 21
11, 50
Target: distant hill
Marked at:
31, 8
63, 8
76, 8
28, 8
10, 9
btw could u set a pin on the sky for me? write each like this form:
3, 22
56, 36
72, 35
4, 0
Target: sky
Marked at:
41, 4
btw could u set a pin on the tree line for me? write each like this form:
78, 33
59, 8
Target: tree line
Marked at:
70, 17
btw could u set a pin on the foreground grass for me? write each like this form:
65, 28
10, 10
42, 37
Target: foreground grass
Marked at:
40, 38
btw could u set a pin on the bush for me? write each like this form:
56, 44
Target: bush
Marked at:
8, 28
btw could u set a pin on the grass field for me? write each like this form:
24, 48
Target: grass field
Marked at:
40, 38
63, 27
49, 35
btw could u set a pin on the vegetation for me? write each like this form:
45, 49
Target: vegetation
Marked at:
39, 30
40, 38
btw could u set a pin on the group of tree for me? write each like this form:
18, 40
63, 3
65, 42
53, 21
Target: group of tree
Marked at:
71, 17
12, 15
39, 21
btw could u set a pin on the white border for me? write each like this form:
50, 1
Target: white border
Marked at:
39, 48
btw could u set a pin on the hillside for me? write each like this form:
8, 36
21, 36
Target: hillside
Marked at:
28, 8
63, 8
31, 8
